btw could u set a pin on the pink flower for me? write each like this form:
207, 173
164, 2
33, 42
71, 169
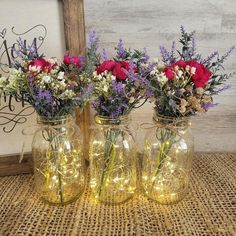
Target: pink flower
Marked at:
118, 69
202, 74
106, 66
180, 63
75, 60
169, 73
41, 64
66, 59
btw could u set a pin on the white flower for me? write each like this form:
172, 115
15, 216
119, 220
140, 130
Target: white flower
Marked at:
34, 68
105, 88
182, 106
143, 65
62, 83
60, 75
95, 73
67, 94
54, 71
179, 73
187, 68
3, 80
100, 77
46, 79
15, 72
200, 91
162, 78
153, 72
193, 70
176, 68
131, 100
15, 78
113, 77
52, 60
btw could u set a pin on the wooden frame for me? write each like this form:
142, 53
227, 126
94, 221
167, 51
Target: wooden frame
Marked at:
74, 28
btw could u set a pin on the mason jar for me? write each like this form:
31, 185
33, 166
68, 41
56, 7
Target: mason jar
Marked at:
112, 159
167, 159
59, 170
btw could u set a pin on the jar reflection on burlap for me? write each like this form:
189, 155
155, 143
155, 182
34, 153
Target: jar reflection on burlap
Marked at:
112, 160
58, 160
167, 159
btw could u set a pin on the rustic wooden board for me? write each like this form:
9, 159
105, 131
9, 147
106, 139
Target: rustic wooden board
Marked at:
153, 23
74, 27
9, 165
73, 16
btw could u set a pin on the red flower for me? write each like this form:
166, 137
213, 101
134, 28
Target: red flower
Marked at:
76, 60
124, 64
106, 66
169, 73
68, 60
42, 64
202, 74
118, 69
180, 63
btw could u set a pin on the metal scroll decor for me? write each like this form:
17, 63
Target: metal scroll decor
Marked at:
11, 115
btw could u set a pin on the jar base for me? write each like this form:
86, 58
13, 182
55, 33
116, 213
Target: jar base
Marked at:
75, 198
168, 199
113, 203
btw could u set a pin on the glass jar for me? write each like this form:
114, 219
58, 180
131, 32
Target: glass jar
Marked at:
167, 159
112, 160
58, 160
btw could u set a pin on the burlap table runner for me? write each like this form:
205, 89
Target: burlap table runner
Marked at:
209, 208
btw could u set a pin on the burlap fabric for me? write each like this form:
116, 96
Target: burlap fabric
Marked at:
209, 208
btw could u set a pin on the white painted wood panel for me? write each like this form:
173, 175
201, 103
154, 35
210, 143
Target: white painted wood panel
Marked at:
153, 23
23, 15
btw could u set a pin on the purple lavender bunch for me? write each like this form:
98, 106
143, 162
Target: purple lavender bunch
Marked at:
120, 50
93, 42
104, 55
209, 58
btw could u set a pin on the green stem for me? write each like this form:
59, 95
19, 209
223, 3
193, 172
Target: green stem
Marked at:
54, 148
167, 140
109, 158
60, 184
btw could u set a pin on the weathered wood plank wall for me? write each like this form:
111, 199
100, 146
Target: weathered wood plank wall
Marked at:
153, 23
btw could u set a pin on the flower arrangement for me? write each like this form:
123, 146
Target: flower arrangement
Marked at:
183, 83
119, 86
119, 83
54, 89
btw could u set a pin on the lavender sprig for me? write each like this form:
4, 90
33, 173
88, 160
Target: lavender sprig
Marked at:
173, 49
225, 56
222, 89
93, 57
104, 55
131, 72
93, 40
165, 54
145, 56
120, 50
209, 58
207, 106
